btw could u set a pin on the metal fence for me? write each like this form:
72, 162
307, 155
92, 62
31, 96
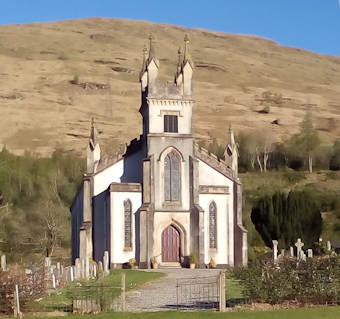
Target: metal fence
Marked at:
201, 293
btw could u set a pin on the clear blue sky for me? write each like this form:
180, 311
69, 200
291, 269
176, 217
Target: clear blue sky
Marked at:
309, 24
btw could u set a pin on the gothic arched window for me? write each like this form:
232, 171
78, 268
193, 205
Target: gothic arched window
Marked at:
127, 224
212, 225
172, 177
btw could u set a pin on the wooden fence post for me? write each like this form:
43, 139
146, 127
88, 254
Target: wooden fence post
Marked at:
123, 292
222, 291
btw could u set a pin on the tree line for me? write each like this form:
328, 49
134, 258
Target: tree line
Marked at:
35, 196
260, 151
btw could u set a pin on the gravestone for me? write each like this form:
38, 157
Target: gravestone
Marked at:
87, 268
310, 253
3, 263
95, 270
275, 244
82, 271
329, 246
54, 285
72, 273
77, 272
291, 251
100, 266
48, 262
299, 244
106, 263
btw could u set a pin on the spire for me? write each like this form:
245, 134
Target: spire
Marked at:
180, 60
93, 150
93, 135
152, 52
145, 57
231, 151
187, 57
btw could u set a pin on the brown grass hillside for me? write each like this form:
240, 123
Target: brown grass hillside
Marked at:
235, 76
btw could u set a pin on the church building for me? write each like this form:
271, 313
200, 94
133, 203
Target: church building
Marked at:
165, 197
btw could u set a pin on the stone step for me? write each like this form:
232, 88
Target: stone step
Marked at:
170, 265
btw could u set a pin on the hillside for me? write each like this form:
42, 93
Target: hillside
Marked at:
235, 77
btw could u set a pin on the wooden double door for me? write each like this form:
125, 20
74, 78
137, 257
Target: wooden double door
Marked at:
171, 244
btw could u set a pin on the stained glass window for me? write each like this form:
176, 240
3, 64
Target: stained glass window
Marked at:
212, 226
172, 177
127, 224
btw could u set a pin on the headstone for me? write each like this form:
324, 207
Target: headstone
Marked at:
82, 271
58, 269
47, 262
3, 263
291, 251
106, 262
54, 285
310, 253
87, 268
77, 273
275, 244
303, 255
95, 270
299, 244
329, 246
100, 266
72, 273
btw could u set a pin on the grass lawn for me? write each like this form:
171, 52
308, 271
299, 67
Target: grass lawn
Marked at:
301, 313
108, 287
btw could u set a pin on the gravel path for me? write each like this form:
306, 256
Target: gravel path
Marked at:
161, 294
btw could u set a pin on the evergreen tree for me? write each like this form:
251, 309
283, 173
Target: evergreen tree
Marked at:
286, 218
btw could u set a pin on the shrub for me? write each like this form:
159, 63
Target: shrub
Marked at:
315, 281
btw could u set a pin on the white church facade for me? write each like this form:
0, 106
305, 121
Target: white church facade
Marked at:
165, 197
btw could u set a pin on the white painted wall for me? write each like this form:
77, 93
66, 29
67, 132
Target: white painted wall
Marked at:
224, 254
156, 120
225, 217
118, 254
161, 221
112, 174
209, 176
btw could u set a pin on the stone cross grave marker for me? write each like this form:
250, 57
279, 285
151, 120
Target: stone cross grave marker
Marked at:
299, 244
275, 243
3, 263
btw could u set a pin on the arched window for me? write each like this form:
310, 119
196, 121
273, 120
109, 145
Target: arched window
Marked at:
212, 225
172, 177
127, 224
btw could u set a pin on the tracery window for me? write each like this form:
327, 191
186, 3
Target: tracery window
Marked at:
127, 224
172, 177
212, 225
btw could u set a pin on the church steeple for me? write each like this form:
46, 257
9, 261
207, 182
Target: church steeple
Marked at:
93, 150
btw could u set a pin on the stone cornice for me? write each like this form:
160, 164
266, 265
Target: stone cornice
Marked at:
169, 102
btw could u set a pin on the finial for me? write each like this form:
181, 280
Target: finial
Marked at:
230, 128
92, 134
186, 48
151, 48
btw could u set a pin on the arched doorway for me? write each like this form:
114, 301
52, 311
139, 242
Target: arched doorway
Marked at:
170, 245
